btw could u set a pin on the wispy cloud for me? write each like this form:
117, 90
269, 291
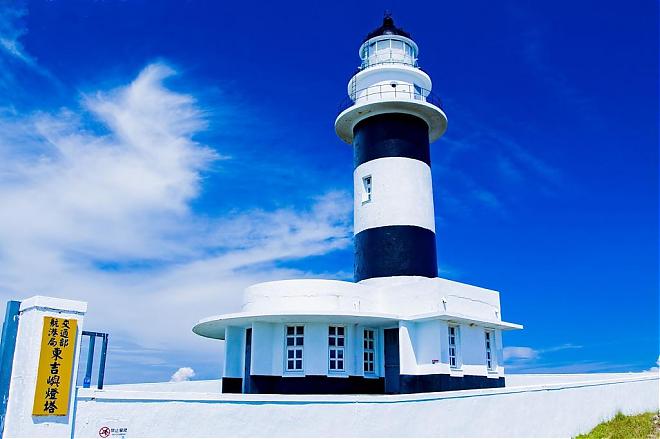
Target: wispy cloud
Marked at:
655, 368
534, 43
11, 31
491, 170
520, 353
576, 367
96, 204
525, 359
519, 358
12, 51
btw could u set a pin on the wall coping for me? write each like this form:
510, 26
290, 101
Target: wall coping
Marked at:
54, 304
252, 399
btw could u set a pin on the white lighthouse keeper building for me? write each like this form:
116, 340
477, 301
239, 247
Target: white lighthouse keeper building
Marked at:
398, 328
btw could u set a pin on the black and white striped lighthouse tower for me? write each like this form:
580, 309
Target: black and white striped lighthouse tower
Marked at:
391, 118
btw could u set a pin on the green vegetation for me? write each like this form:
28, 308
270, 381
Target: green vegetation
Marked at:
646, 425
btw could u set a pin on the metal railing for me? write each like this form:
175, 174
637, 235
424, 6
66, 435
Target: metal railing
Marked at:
408, 61
87, 382
385, 92
7, 348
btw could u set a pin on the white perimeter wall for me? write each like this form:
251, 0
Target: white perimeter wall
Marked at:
534, 410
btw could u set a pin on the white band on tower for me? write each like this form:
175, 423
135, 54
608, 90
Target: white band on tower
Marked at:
393, 191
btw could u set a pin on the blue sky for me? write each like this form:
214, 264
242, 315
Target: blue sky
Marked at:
155, 160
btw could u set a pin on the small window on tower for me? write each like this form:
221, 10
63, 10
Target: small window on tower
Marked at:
366, 189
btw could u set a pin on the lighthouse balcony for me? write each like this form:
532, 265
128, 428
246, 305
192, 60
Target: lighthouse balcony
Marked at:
389, 92
390, 97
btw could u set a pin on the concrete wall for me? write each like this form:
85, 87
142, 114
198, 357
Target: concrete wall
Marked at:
19, 421
535, 410
420, 343
268, 347
234, 352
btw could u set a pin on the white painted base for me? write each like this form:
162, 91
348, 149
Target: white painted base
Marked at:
19, 421
557, 410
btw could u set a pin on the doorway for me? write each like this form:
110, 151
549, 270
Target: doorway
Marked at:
248, 359
392, 369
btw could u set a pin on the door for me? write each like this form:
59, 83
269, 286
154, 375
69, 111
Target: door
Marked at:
392, 370
248, 359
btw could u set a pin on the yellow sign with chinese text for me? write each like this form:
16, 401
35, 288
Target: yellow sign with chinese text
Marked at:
54, 376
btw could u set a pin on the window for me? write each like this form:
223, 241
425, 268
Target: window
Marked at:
336, 339
383, 44
418, 91
453, 347
294, 348
490, 339
397, 45
369, 351
366, 189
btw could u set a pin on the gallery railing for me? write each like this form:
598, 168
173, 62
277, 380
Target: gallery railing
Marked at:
386, 92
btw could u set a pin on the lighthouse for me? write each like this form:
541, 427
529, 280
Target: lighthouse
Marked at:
398, 327
391, 117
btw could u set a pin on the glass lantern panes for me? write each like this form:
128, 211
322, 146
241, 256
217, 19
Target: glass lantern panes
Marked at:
294, 348
336, 344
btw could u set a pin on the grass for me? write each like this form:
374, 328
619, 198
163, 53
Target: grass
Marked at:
646, 425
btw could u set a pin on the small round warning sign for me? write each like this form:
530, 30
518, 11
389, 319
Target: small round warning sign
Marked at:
104, 432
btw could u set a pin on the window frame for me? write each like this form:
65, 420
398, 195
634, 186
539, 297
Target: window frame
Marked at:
366, 351
384, 44
489, 341
336, 348
367, 189
294, 348
456, 345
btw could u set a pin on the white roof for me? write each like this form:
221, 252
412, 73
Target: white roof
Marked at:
214, 327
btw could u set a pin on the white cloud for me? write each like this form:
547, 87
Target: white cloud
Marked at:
11, 31
525, 356
95, 204
183, 374
655, 368
12, 51
519, 353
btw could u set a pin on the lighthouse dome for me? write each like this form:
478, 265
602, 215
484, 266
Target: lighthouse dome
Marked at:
387, 28
388, 44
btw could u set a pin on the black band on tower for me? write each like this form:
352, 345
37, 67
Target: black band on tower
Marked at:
395, 251
391, 135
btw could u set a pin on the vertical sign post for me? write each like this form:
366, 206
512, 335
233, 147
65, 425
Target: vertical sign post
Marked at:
55, 373
7, 348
